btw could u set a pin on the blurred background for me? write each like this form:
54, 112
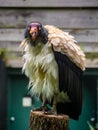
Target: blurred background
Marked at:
79, 18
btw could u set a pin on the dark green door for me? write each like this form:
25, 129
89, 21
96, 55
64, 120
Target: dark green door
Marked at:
18, 112
19, 103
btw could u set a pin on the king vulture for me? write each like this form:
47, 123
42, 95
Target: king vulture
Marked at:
54, 64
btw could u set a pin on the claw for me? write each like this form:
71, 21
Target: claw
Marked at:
44, 109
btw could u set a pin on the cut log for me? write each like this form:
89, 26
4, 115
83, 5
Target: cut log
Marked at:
41, 121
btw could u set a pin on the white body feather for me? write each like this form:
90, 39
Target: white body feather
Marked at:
42, 70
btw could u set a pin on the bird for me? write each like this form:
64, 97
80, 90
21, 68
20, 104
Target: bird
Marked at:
54, 64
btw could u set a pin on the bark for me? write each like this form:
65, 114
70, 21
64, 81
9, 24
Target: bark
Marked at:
40, 121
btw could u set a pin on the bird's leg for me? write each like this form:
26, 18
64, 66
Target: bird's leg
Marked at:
44, 105
43, 108
54, 110
46, 110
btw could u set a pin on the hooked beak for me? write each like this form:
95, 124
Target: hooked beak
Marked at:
34, 33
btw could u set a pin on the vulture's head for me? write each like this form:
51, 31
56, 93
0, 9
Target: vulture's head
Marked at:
36, 33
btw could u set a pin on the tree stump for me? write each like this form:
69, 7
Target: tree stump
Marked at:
40, 121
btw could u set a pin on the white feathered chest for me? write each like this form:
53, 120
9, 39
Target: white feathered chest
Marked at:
41, 69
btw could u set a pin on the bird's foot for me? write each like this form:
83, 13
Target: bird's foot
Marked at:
44, 109
52, 112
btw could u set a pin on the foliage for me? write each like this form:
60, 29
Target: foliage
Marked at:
90, 126
2, 52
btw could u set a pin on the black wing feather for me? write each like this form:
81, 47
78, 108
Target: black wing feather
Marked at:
70, 81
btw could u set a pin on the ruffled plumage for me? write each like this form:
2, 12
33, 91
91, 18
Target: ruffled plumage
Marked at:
65, 44
54, 65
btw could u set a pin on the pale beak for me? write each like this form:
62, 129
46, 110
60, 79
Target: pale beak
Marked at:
34, 33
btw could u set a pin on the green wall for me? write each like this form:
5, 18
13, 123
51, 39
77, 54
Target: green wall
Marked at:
18, 115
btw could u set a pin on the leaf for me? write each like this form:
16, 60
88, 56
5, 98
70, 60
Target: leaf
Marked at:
90, 126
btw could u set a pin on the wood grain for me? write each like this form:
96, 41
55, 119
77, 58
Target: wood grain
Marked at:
40, 121
63, 18
49, 3
81, 35
78, 17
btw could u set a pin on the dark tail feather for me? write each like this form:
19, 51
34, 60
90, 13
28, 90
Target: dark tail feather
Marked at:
70, 81
69, 109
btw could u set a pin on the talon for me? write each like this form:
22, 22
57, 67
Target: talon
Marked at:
44, 109
52, 111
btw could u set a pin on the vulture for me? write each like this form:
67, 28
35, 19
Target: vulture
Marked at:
54, 64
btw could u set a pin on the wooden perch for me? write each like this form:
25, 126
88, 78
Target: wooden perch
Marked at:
40, 121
